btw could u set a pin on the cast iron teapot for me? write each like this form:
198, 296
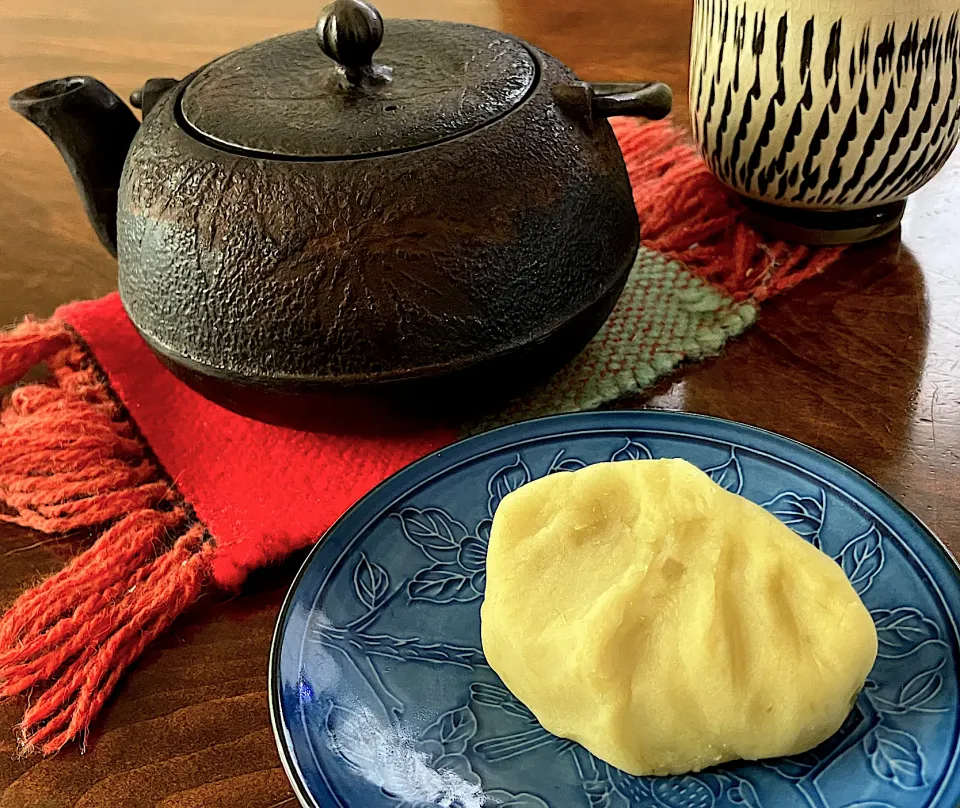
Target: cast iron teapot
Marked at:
366, 205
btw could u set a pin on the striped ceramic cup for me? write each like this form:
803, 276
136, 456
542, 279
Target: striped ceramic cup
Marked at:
826, 115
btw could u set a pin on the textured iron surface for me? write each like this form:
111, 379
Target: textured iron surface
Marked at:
284, 97
360, 271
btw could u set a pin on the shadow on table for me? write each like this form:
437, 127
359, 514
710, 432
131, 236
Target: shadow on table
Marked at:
835, 363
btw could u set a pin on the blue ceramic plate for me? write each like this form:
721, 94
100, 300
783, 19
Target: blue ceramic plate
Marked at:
381, 698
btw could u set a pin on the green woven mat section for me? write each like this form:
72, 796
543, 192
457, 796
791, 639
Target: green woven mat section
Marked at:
665, 316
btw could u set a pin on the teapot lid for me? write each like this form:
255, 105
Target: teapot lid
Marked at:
431, 82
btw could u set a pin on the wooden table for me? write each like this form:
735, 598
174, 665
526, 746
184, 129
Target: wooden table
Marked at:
863, 364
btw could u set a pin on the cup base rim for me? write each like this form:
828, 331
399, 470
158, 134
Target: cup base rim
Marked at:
825, 227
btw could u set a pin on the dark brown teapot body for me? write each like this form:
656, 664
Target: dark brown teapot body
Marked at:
454, 213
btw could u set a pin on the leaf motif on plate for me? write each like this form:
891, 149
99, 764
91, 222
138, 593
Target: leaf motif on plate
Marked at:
870, 804
508, 746
347, 737
497, 750
895, 756
635, 790
495, 696
728, 474
483, 530
902, 631
458, 765
795, 767
441, 583
452, 730
918, 691
370, 582
631, 450
595, 778
561, 463
681, 792
505, 480
411, 649
473, 555
803, 515
743, 793
504, 799
434, 531
862, 559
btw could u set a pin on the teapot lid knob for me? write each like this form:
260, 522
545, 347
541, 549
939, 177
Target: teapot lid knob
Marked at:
350, 32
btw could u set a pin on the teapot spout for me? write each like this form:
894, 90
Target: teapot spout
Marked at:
93, 130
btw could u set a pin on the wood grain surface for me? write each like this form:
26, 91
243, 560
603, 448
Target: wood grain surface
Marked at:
863, 363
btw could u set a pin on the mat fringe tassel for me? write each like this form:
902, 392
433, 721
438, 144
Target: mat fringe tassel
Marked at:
687, 215
69, 459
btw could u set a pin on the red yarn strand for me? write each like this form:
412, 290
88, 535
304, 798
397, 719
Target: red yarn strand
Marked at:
687, 214
68, 460
157, 596
72, 428
27, 346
